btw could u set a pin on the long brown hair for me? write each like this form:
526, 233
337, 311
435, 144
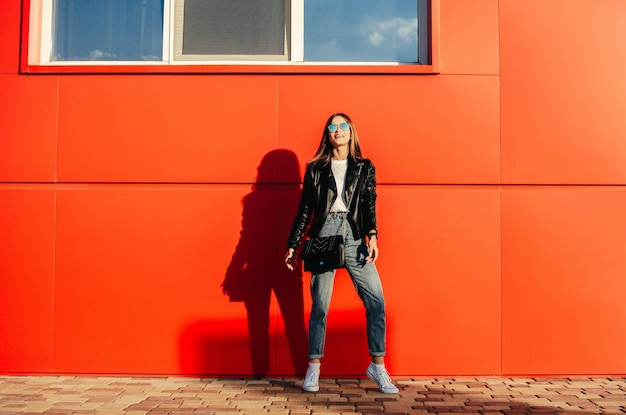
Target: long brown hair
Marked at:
324, 151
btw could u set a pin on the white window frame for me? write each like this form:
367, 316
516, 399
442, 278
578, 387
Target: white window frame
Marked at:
40, 42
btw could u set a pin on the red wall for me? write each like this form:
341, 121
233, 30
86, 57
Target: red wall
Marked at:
125, 200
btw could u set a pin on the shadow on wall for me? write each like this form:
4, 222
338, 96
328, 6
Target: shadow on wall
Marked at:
221, 348
256, 271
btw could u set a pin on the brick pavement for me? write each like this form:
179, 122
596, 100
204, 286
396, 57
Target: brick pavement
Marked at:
159, 396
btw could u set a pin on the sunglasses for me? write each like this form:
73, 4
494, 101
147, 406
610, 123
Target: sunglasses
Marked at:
333, 127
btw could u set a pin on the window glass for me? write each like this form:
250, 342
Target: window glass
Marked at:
234, 27
360, 31
107, 30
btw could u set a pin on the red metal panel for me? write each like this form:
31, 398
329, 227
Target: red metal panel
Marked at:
291, 290
164, 128
417, 130
440, 266
563, 89
469, 36
140, 274
26, 279
563, 281
137, 269
27, 130
10, 36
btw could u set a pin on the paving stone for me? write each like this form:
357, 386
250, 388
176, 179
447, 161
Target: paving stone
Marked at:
154, 396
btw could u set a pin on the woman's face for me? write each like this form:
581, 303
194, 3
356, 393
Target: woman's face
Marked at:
339, 137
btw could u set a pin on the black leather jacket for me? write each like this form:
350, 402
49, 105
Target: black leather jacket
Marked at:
319, 192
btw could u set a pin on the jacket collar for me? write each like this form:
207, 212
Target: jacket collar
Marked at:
351, 175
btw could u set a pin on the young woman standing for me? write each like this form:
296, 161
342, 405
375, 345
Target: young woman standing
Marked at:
338, 174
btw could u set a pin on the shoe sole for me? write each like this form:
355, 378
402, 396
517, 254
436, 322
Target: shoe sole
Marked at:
311, 388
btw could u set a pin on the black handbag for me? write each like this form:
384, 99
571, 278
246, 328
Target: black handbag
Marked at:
323, 254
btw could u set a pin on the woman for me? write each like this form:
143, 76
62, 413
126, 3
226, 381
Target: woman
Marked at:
338, 174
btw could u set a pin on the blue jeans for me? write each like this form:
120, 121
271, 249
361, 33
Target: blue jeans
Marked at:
366, 281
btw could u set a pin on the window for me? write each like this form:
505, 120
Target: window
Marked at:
233, 32
110, 30
361, 31
226, 30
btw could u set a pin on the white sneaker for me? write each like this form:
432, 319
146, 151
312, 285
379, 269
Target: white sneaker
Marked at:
312, 379
381, 377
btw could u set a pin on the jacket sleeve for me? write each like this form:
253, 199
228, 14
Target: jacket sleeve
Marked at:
305, 208
369, 199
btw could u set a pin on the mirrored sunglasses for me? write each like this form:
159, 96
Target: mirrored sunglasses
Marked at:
333, 127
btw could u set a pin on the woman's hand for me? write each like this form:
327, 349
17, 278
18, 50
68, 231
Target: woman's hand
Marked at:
290, 259
372, 249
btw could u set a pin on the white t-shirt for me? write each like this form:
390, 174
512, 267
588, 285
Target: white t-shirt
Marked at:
339, 168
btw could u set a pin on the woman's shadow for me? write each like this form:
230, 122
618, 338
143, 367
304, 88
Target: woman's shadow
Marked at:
257, 268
